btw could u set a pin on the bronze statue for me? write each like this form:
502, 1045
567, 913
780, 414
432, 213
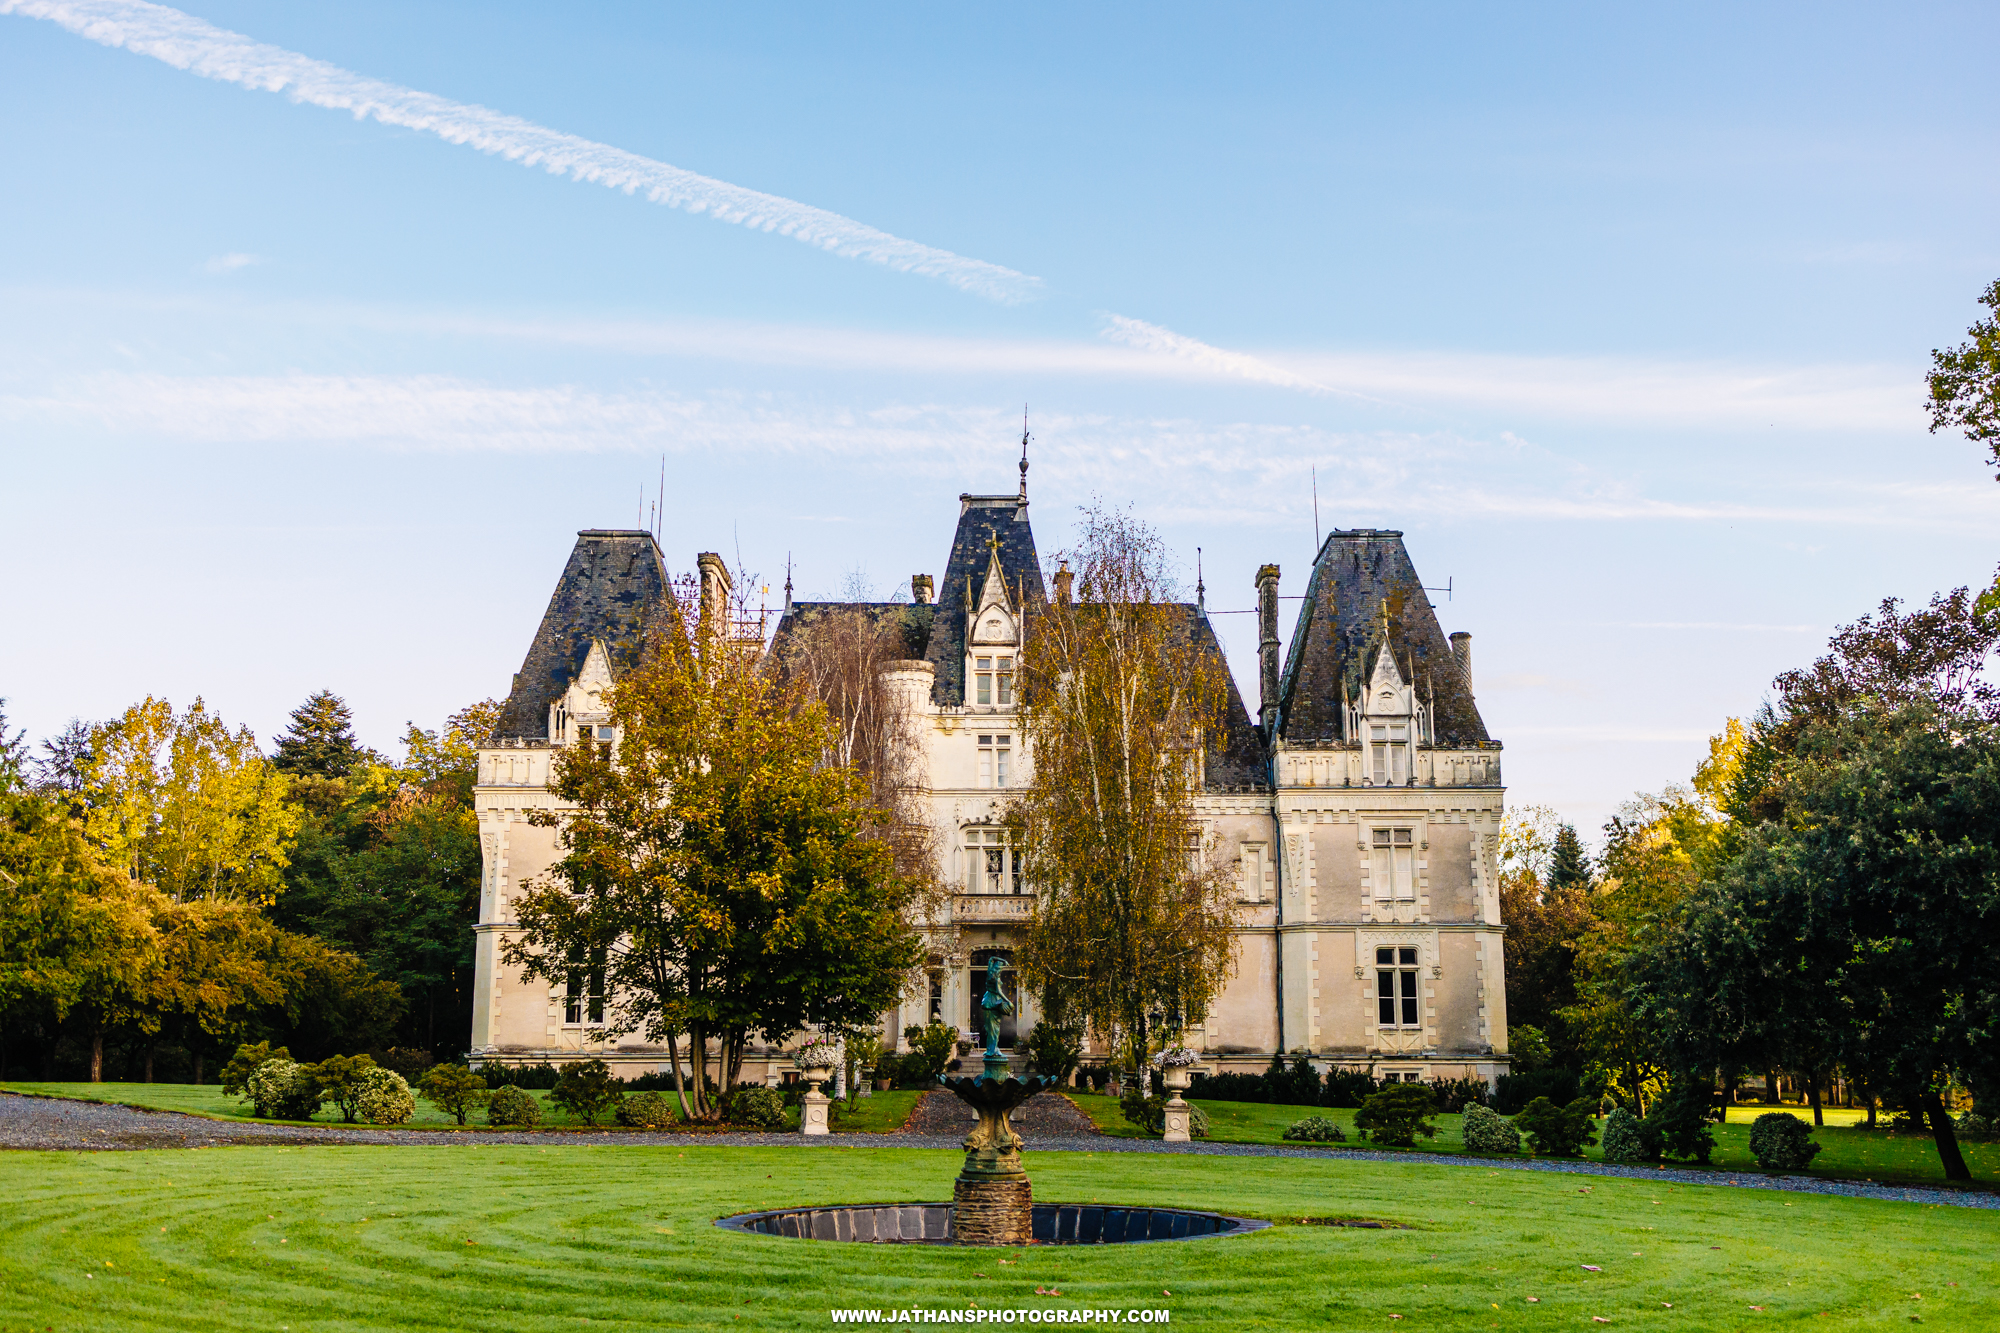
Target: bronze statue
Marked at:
993, 1006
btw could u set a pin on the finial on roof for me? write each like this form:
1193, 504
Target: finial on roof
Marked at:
1024, 451
788, 582
1200, 589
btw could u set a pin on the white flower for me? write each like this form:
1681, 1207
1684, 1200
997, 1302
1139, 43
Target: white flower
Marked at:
1176, 1057
817, 1054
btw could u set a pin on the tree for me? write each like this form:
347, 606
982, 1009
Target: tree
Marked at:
1543, 925
1569, 867
13, 755
210, 978
586, 1090
455, 1090
1134, 913
320, 741
185, 803
77, 940
1965, 381
732, 878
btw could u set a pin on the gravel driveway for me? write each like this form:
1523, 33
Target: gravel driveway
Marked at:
50, 1123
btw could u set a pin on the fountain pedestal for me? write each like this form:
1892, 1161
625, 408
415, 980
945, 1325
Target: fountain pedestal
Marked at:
992, 1202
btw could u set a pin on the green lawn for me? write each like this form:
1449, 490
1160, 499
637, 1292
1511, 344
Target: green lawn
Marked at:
1846, 1152
877, 1113
208, 1099
505, 1237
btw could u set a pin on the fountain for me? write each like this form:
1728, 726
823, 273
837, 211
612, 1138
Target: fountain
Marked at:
992, 1202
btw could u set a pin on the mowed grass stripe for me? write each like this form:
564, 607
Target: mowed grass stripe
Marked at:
621, 1237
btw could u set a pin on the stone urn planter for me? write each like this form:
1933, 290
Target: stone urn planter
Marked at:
817, 1061
1177, 1072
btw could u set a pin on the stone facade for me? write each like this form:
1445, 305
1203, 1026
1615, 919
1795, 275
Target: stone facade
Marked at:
1360, 810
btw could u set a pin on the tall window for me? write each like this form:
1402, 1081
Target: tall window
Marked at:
1396, 988
583, 1001
1394, 866
993, 681
995, 754
1389, 753
990, 864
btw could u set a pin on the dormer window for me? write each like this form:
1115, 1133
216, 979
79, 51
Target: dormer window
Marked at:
993, 681
994, 754
1389, 753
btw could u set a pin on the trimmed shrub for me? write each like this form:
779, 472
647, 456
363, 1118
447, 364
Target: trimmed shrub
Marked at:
1974, 1124
1315, 1129
586, 1090
1348, 1087
932, 1047
1514, 1091
756, 1106
1150, 1114
236, 1074
282, 1089
1782, 1142
540, 1077
341, 1078
1558, 1131
647, 1110
511, 1106
1054, 1048
1626, 1139
1681, 1123
1397, 1114
384, 1098
455, 1090
1455, 1094
1486, 1130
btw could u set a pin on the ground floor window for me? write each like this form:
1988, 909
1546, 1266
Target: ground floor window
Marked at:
1396, 988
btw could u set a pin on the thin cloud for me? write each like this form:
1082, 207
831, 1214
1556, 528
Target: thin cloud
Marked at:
230, 263
1245, 473
1165, 342
188, 43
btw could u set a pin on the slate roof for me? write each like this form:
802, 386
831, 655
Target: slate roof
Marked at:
614, 578
980, 516
1236, 758
1339, 635
913, 619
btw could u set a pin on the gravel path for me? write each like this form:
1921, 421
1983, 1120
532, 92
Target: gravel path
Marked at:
49, 1123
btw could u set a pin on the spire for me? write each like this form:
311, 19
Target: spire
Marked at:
1024, 453
1200, 589
788, 583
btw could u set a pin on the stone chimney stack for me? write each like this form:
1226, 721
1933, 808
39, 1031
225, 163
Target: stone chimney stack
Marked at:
1063, 580
1461, 648
920, 589
1267, 647
715, 588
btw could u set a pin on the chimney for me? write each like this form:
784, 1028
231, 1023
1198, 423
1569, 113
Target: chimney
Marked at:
1461, 648
920, 589
715, 587
1267, 647
1063, 579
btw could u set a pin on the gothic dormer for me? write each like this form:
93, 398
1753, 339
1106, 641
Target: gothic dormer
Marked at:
994, 624
582, 712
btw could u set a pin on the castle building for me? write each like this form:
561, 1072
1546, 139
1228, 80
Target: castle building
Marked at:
1360, 810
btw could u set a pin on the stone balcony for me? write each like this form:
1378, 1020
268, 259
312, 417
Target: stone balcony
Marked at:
993, 907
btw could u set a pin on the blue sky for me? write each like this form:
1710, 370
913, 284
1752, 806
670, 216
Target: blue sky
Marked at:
1621, 317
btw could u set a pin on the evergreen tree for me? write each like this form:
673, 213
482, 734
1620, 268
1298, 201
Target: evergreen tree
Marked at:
1569, 868
13, 754
321, 740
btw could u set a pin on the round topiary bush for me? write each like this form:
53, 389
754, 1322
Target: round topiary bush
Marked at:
1782, 1142
645, 1110
282, 1089
1315, 1129
1624, 1139
511, 1106
1486, 1130
384, 1098
759, 1108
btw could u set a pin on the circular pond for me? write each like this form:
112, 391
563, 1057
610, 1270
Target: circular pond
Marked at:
930, 1224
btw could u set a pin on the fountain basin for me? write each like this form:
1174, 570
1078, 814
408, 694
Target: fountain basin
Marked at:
1053, 1224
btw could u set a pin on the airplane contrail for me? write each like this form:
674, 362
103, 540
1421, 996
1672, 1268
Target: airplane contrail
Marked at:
188, 43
